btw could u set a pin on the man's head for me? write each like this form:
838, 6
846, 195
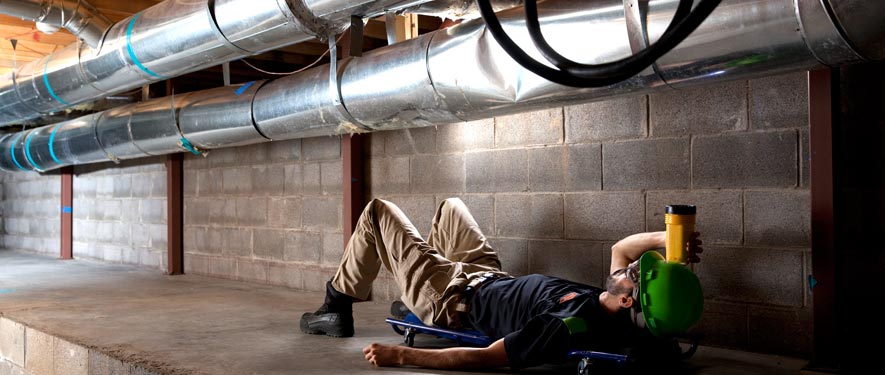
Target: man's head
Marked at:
664, 297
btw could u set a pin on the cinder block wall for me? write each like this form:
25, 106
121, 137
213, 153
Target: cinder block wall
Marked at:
30, 212
268, 213
120, 212
555, 189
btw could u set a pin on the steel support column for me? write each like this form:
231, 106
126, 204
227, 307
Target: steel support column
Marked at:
352, 148
175, 212
823, 241
67, 213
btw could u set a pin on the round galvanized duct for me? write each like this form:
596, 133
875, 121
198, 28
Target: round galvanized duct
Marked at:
154, 126
220, 117
68, 143
112, 130
14, 158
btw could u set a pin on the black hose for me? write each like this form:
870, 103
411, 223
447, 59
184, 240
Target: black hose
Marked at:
573, 74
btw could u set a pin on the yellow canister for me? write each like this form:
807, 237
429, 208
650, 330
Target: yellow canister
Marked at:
680, 226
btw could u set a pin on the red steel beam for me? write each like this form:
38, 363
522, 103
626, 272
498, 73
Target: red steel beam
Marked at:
67, 213
175, 214
351, 152
823, 238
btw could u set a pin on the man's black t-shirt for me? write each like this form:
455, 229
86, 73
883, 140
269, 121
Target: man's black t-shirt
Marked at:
541, 318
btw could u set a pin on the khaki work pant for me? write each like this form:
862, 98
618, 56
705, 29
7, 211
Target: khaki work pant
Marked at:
431, 274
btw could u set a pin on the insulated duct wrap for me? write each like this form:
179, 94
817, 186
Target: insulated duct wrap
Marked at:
461, 74
169, 39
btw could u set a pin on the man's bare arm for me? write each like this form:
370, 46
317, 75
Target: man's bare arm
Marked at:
632, 247
457, 358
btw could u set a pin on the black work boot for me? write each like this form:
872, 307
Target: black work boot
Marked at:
333, 318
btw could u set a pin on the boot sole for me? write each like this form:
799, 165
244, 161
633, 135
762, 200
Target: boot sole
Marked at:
305, 328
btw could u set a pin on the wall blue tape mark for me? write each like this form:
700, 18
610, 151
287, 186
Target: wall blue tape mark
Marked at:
244, 88
67, 209
12, 152
5, 291
52, 138
48, 87
132, 52
28, 151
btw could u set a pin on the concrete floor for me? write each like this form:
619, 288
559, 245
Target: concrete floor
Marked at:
200, 325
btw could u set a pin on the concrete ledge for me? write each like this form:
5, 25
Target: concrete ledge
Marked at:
80, 317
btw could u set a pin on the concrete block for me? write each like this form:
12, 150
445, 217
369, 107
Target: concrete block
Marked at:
252, 211
752, 275
779, 101
497, 171
284, 151
528, 129
70, 359
159, 236
39, 352
268, 180
699, 110
141, 186
745, 160
303, 247
333, 249
104, 187
236, 242
284, 212
410, 141
321, 213
311, 183
388, 175
646, 164
105, 231
284, 275
84, 186
547, 168
437, 173
189, 182
603, 216
153, 211
781, 331
158, 185
122, 234
294, 179
254, 271
213, 240
481, 207
129, 210
209, 182
223, 267
7, 368
101, 364
222, 211
620, 118
777, 218
224, 157
196, 264
110, 253
804, 159
373, 146
724, 324
269, 244
237, 180
579, 261
529, 216
196, 211
321, 148
719, 217
330, 177
12, 341
584, 167
252, 155
513, 254
466, 136
122, 186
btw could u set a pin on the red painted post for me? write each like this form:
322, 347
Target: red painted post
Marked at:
175, 212
67, 213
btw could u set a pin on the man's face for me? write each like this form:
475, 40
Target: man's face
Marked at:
620, 283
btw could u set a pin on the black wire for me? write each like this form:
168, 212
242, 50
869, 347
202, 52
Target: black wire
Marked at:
582, 75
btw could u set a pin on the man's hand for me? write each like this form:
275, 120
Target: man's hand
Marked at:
694, 248
383, 355
458, 358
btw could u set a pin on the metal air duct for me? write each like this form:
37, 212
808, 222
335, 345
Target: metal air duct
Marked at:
77, 16
461, 74
166, 40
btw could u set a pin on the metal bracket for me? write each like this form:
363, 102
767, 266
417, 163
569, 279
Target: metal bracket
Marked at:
390, 26
636, 14
335, 70
356, 36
